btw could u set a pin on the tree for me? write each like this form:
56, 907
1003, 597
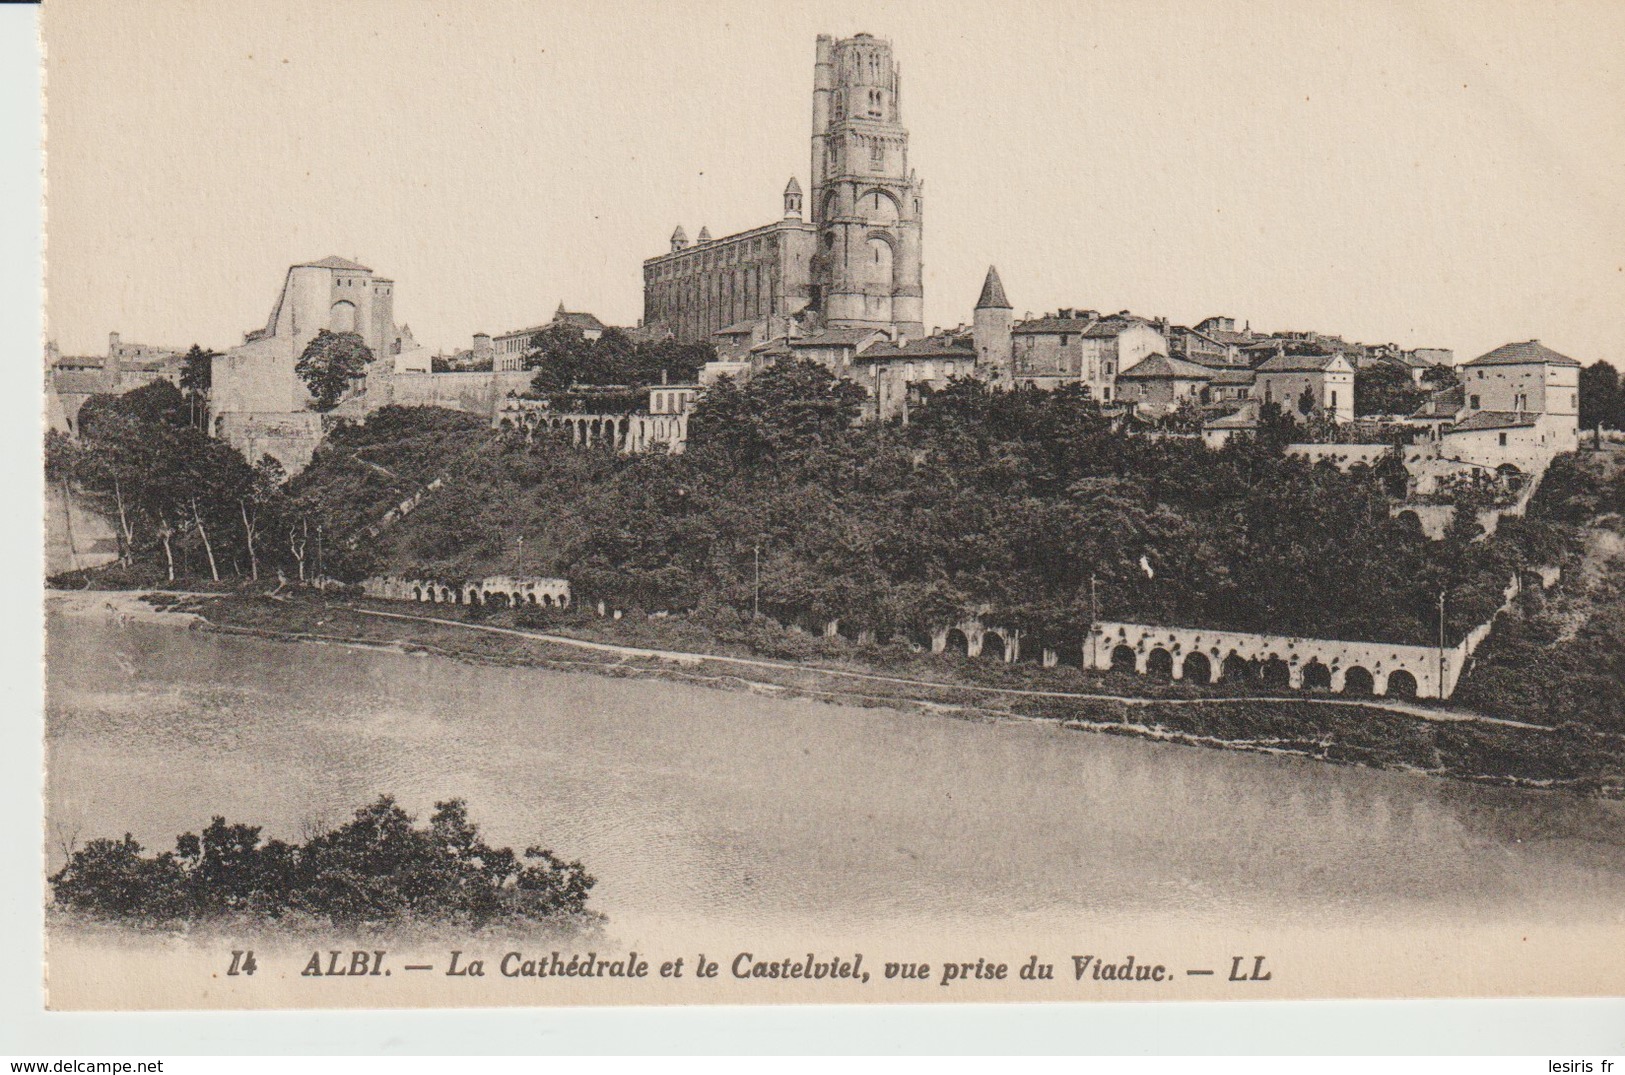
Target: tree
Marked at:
254, 500
1440, 376
331, 362
197, 377
158, 404
1186, 418
561, 356
1386, 388
793, 405
141, 461
1602, 398
379, 868
1391, 471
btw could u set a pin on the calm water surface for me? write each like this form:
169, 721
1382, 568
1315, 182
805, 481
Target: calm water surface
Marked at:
742, 811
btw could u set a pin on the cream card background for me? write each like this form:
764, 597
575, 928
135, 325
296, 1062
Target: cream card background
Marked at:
102, 160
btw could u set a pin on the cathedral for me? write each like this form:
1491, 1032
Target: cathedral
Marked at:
844, 256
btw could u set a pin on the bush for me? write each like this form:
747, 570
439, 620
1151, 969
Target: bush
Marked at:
378, 869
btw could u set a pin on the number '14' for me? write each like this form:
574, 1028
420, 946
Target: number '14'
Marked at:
242, 963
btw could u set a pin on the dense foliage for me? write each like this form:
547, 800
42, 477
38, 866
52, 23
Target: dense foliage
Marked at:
176, 496
1602, 397
1386, 388
377, 869
563, 357
1005, 502
1008, 504
1561, 656
331, 362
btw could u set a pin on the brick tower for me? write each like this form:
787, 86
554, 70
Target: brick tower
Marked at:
865, 202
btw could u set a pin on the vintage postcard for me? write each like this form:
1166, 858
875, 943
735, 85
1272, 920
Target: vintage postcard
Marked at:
708, 503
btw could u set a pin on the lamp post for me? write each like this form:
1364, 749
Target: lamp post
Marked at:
1092, 657
756, 590
1441, 645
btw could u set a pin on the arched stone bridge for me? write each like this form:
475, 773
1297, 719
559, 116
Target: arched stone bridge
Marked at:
1206, 656
506, 590
625, 433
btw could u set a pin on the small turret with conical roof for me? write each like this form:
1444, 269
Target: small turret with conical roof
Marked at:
679, 239
991, 330
992, 292
792, 200
703, 237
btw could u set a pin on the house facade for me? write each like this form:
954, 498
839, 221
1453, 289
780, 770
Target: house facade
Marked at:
1081, 347
1158, 384
1328, 380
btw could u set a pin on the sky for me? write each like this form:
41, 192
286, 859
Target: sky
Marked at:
1426, 173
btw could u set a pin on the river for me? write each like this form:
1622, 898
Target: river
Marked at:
748, 812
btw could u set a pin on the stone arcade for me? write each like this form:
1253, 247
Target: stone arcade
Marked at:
507, 590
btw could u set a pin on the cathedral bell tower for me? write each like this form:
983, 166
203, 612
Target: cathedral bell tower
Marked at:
866, 203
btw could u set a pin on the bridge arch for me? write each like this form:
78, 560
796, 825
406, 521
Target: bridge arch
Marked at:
1237, 669
1275, 672
1401, 684
1197, 667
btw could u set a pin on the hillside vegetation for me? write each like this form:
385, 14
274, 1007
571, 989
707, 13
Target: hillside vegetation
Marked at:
1561, 656
1004, 502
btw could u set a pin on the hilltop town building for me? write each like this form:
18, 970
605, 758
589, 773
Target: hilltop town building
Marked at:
1158, 384
1082, 347
1521, 401
849, 258
259, 404
1325, 381
509, 349
896, 373
505, 353
70, 380
1194, 345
